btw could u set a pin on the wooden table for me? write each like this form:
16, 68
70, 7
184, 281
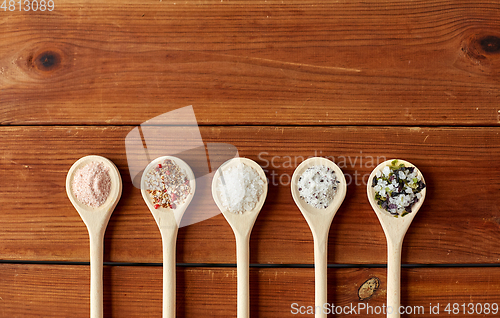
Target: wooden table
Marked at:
356, 81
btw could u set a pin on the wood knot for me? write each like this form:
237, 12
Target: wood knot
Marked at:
480, 48
46, 61
368, 288
480, 53
490, 44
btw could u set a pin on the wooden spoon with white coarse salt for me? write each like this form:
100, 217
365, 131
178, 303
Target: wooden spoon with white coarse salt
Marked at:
242, 225
168, 220
319, 221
96, 220
395, 229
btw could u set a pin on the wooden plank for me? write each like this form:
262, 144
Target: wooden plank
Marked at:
131, 291
253, 62
458, 223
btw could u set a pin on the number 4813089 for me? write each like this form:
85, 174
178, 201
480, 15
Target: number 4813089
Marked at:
27, 5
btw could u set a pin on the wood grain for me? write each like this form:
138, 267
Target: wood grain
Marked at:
458, 222
253, 62
62, 291
357, 81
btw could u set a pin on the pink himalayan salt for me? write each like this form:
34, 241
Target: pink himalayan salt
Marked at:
92, 184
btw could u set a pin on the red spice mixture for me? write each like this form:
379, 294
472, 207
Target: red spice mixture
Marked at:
167, 184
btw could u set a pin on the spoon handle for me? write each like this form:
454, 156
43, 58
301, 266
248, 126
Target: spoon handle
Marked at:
242, 265
96, 259
320, 276
393, 278
169, 238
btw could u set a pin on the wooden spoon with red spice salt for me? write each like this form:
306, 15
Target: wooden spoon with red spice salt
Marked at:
94, 186
168, 215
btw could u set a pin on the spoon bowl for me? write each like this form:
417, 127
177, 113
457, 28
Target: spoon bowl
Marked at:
314, 216
395, 229
242, 225
319, 221
162, 218
168, 221
96, 220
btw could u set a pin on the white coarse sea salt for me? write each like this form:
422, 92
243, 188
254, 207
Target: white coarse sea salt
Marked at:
317, 186
386, 171
240, 187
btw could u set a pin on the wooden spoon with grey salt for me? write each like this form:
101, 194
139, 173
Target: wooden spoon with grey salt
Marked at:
94, 186
239, 189
318, 189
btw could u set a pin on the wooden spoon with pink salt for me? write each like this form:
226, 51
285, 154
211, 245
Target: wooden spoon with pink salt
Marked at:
94, 186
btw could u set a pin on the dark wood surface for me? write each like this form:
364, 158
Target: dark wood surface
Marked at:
357, 81
253, 62
458, 222
135, 291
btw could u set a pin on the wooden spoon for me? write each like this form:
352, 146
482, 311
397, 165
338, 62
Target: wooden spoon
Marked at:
319, 221
168, 221
96, 220
242, 225
395, 230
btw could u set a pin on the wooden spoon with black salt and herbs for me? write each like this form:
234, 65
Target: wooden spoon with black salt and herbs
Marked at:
94, 186
318, 189
396, 190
